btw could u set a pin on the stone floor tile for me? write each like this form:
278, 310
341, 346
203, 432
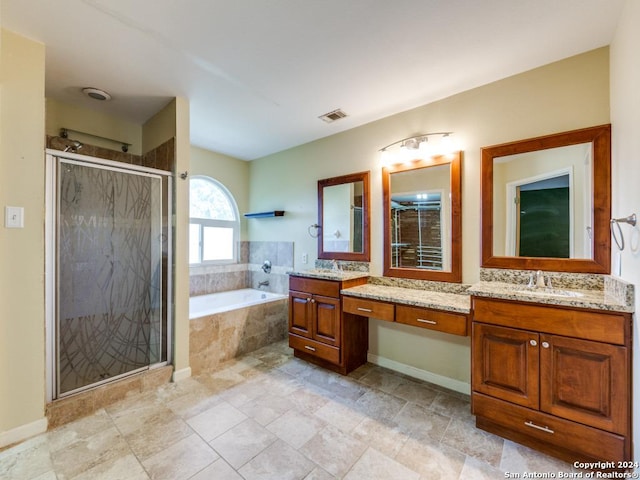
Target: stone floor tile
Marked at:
278, 462
334, 450
81, 455
296, 428
431, 459
127, 467
242, 442
475, 469
218, 470
422, 422
181, 460
217, 420
374, 465
518, 458
29, 459
474, 442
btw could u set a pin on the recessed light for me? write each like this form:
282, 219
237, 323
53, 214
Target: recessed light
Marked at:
96, 93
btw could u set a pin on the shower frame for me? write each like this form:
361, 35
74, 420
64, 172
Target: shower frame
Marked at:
51, 255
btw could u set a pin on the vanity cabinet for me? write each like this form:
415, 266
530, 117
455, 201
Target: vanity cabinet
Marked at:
319, 331
447, 322
554, 378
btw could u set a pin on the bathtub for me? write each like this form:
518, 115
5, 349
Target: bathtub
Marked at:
226, 325
203, 305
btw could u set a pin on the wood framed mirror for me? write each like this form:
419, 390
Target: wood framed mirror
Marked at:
546, 202
343, 217
422, 219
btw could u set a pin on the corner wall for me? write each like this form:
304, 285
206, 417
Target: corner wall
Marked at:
625, 115
22, 359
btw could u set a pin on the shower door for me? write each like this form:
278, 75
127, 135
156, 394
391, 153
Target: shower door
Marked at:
109, 273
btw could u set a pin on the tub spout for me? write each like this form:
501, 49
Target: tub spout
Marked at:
264, 283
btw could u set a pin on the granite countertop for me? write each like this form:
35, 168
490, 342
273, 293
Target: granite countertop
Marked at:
451, 302
594, 299
330, 274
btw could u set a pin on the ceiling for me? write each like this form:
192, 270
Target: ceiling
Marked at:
258, 73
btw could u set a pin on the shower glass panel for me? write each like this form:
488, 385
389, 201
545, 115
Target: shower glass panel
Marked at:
109, 320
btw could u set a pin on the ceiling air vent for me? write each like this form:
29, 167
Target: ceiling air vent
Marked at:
332, 116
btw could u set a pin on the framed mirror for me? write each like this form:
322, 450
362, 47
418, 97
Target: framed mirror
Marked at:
546, 202
422, 219
343, 217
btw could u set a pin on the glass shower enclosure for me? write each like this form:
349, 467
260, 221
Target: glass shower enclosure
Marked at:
111, 256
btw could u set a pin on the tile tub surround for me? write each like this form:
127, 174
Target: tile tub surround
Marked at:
270, 415
247, 273
218, 338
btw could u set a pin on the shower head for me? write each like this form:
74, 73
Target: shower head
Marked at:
74, 147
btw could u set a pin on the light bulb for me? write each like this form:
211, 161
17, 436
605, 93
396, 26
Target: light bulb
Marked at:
447, 144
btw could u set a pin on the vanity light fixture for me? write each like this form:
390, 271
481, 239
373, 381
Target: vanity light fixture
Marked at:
417, 147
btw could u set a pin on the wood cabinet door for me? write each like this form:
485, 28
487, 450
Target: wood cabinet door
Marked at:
505, 364
585, 381
326, 328
300, 314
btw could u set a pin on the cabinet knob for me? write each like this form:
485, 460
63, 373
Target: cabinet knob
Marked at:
533, 343
545, 344
313, 300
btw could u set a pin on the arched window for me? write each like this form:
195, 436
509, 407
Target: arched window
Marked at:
214, 223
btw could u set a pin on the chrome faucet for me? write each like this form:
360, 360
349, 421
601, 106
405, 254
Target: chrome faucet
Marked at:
264, 283
540, 279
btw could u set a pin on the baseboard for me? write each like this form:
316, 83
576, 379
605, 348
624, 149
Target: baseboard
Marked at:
23, 432
446, 382
181, 374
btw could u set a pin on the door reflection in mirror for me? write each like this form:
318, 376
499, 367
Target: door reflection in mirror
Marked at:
548, 203
342, 229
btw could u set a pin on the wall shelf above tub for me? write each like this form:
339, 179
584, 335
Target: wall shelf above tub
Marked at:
273, 213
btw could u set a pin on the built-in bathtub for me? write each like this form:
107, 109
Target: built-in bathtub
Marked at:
202, 305
228, 324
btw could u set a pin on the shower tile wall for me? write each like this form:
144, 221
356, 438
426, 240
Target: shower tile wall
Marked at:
247, 273
162, 157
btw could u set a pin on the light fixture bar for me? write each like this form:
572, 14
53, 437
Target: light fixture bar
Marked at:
417, 138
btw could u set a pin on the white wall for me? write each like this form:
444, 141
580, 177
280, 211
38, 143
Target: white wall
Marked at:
565, 95
625, 117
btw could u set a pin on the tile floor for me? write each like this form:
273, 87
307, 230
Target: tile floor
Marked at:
269, 415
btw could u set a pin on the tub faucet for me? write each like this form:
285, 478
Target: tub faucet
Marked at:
264, 283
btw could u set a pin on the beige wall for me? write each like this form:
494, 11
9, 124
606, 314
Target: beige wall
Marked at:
231, 172
625, 116
161, 127
22, 178
566, 95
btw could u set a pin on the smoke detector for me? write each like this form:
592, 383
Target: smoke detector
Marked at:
332, 116
96, 93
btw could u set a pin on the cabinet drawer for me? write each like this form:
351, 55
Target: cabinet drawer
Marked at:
328, 288
588, 441
603, 326
453, 323
368, 308
311, 347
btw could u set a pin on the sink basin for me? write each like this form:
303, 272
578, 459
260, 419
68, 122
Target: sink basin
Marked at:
549, 292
